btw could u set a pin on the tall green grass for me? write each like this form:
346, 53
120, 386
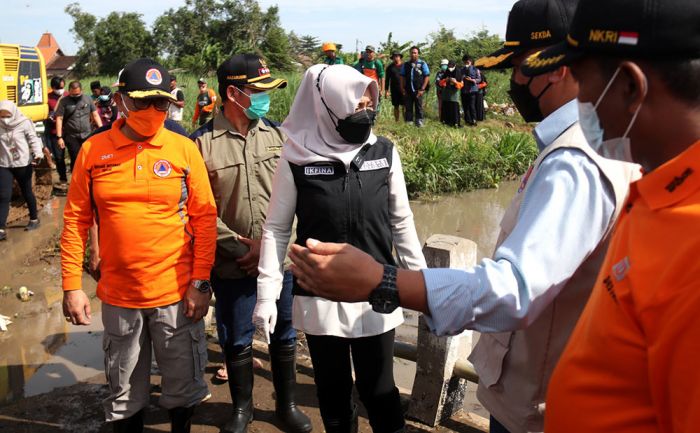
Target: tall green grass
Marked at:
437, 159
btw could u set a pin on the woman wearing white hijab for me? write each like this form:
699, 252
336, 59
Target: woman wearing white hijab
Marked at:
344, 184
20, 149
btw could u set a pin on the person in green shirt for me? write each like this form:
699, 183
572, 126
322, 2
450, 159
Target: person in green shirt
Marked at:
371, 66
330, 51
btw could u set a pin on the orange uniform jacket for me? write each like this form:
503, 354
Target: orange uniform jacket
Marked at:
631, 365
156, 215
207, 108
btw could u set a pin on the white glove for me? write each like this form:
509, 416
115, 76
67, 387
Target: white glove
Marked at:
265, 316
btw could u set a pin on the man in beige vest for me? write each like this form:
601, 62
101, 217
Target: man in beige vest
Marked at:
527, 299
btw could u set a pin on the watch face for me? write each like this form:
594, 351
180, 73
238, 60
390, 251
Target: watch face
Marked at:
384, 301
204, 286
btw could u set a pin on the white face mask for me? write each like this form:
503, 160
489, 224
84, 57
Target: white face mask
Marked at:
616, 148
451, 69
5, 121
58, 92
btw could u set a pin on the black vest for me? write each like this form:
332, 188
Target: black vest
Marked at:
335, 205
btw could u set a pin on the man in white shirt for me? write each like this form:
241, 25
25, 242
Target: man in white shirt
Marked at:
178, 106
527, 299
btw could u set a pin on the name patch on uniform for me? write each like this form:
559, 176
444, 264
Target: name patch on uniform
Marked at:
319, 171
162, 168
621, 269
375, 164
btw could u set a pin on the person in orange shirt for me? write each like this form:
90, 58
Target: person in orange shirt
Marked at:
206, 103
631, 364
149, 190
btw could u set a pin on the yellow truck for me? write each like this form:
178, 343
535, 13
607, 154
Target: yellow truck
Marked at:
23, 81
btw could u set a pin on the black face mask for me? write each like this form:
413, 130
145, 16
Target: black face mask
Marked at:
527, 104
76, 98
356, 127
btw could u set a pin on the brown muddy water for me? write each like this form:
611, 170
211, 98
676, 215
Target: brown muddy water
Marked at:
41, 351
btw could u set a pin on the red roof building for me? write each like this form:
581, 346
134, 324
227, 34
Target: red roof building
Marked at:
57, 63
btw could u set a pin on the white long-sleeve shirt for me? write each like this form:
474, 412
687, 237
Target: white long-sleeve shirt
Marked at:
18, 146
565, 213
318, 316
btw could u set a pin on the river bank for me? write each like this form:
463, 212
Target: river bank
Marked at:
51, 372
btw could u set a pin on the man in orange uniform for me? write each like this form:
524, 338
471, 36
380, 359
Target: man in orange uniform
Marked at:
206, 103
149, 190
631, 364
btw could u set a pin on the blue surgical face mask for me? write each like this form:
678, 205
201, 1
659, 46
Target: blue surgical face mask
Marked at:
259, 105
619, 148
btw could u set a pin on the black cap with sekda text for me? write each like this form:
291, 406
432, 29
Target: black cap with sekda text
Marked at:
651, 29
249, 70
145, 78
531, 24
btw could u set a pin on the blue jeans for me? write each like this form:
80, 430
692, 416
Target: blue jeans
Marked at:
235, 302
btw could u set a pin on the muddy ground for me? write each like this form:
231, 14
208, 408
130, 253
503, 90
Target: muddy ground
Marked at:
50, 371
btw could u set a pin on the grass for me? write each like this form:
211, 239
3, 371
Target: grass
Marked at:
436, 159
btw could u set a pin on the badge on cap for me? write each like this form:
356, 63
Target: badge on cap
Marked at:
154, 77
263, 70
162, 168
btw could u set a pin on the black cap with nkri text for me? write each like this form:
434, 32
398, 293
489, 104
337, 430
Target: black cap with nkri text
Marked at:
652, 29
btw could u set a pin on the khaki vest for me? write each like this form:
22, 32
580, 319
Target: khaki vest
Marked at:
515, 367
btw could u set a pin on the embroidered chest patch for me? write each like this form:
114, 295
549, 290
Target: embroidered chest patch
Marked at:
162, 168
376, 164
319, 171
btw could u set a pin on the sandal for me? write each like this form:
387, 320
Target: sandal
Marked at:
222, 374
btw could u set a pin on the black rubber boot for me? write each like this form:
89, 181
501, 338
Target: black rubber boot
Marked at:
133, 424
284, 378
334, 425
240, 383
181, 419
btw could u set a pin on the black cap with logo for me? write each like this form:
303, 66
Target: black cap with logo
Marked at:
531, 24
144, 78
652, 29
248, 70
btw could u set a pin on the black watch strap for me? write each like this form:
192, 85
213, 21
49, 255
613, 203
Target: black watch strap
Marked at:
385, 298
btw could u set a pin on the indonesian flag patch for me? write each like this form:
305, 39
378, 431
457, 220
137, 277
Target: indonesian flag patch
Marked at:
628, 38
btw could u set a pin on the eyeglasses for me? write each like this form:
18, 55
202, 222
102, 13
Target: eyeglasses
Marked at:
160, 104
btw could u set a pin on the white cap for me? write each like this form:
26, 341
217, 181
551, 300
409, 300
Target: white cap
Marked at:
444, 62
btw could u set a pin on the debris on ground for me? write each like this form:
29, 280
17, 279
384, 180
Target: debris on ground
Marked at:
4, 321
24, 294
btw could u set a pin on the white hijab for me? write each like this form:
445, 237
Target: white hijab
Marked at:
16, 117
310, 129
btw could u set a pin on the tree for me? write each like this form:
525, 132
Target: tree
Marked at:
275, 48
83, 31
482, 43
185, 31
309, 45
121, 38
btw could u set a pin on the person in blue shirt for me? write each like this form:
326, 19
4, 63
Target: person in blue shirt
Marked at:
470, 90
415, 77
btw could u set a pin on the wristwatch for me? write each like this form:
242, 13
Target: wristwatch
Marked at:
385, 298
204, 286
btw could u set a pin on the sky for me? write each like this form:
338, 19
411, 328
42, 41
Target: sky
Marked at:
352, 23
